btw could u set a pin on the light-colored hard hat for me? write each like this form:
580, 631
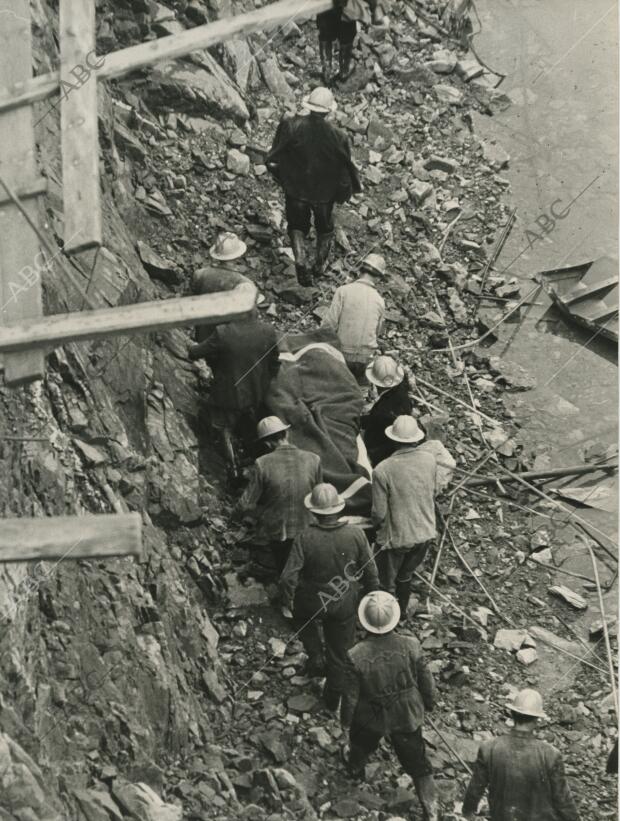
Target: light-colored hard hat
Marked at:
320, 99
528, 703
405, 430
379, 612
385, 372
376, 263
324, 500
228, 246
269, 426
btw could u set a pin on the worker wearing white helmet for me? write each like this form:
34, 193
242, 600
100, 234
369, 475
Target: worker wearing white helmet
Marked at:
524, 776
279, 482
390, 688
392, 384
403, 508
357, 314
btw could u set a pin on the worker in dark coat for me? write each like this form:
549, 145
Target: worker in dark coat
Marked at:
332, 26
223, 274
393, 401
524, 776
244, 358
311, 159
389, 690
329, 564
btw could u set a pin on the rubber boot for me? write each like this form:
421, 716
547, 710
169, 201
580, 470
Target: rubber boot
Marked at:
327, 56
427, 794
403, 594
229, 450
331, 698
344, 58
323, 247
298, 241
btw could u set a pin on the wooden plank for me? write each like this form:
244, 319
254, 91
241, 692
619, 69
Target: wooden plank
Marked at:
58, 329
79, 128
71, 537
20, 291
129, 59
33, 190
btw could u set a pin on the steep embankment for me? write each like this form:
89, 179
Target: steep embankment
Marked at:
122, 672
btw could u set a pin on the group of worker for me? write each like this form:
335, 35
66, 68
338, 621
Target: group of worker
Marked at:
328, 574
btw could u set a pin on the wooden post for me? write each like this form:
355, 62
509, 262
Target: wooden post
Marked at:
20, 286
78, 123
71, 537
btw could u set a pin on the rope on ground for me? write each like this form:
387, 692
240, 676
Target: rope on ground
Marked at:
472, 408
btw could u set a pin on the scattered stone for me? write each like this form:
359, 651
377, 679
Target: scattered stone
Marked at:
158, 267
142, 803
511, 640
495, 155
420, 192
569, 596
527, 656
373, 175
237, 162
469, 69
446, 164
512, 374
302, 703
448, 94
443, 62
278, 647
275, 80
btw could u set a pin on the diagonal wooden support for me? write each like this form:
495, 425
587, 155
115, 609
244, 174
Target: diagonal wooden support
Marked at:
20, 286
129, 59
58, 329
79, 128
71, 537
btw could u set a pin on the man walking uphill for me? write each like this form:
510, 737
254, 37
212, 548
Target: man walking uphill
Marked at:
390, 687
525, 776
321, 581
311, 159
403, 508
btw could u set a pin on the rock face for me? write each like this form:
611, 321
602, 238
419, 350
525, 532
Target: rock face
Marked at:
197, 89
24, 791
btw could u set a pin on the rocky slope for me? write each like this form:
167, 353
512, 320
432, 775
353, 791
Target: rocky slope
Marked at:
166, 688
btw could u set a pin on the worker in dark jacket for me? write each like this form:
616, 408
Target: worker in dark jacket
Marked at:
223, 274
390, 687
524, 776
332, 26
393, 401
279, 483
321, 583
311, 159
243, 356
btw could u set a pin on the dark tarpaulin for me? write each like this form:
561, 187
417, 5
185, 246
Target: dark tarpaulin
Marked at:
318, 396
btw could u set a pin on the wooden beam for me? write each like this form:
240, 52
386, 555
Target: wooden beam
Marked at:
79, 128
70, 537
58, 329
20, 287
129, 59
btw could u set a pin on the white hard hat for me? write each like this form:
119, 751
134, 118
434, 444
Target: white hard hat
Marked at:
228, 246
376, 263
405, 430
320, 99
379, 612
324, 500
385, 372
528, 703
269, 426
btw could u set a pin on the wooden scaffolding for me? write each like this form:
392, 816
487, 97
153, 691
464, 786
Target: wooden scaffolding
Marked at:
26, 335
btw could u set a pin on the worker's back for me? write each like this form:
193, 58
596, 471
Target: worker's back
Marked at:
526, 780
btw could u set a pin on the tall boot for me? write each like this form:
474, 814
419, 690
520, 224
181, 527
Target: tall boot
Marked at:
298, 241
403, 594
427, 794
326, 54
344, 59
323, 247
231, 456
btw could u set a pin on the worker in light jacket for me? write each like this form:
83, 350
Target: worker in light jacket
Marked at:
311, 159
389, 690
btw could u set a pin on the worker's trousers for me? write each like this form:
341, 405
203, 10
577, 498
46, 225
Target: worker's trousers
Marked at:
396, 568
328, 653
408, 746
